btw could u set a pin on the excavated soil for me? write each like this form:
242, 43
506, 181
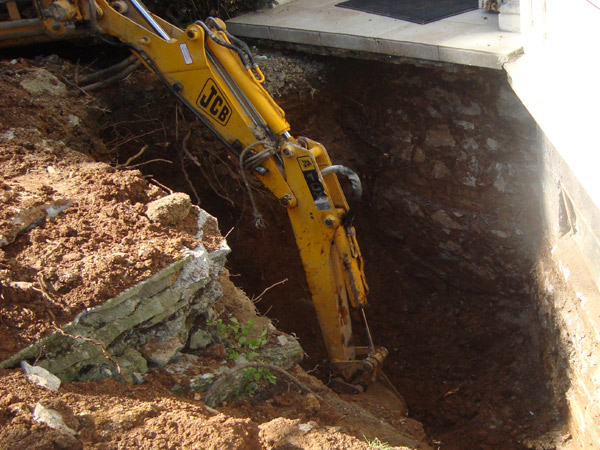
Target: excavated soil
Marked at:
75, 232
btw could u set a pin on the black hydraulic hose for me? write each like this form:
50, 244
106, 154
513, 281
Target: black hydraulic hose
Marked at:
235, 40
215, 38
356, 190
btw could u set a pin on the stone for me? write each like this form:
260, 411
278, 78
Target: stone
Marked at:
472, 110
434, 112
440, 136
465, 125
419, 156
306, 427
29, 218
169, 210
137, 377
40, 376
442, 218
200, 339
7, 135
132, 362
470, 144
202, 382
500, 233
74, 121
51, 418
161, 353
440, 170
285, 356
469, 181
492, 144
474, 165
43, 82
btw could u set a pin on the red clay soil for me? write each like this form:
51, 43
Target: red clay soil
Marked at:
99, 245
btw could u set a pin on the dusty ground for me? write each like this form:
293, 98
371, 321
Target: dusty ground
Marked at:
74, 233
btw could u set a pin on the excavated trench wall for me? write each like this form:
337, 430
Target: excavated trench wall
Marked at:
480, 213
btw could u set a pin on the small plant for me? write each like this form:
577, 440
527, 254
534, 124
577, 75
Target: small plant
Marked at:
378, 445
254, 374
240, 339
243, 340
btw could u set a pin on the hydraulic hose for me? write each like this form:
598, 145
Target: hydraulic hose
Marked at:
356, 190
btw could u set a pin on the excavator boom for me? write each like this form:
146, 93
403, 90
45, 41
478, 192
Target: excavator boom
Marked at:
215, 76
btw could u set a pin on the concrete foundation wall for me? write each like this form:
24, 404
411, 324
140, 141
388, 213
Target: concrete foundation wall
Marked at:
568, 295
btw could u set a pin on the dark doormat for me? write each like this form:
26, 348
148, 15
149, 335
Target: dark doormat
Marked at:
418, 11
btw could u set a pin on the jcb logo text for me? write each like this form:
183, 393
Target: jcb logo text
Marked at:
213, 102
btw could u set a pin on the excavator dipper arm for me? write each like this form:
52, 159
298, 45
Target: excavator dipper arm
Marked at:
215, 76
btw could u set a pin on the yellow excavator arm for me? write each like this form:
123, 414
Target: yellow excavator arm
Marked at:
215, 76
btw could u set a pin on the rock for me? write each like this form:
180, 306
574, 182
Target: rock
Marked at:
43, 82
161, 352
440, 136
74, 121
492, 144
137, 377
472, 110
169, 210
500, 234
470, 144
200, 339
51, 418
443, 218
40, 376
465, 125
285, 356
202, 382
440, 170
8, 135
306, 427
131, 362
419, 156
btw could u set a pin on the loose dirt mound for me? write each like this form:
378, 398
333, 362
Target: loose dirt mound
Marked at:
73, 232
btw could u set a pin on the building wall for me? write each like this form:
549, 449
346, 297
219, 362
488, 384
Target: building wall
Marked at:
556, 80
568, 294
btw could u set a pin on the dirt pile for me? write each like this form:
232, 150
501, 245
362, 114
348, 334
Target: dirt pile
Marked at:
76, 232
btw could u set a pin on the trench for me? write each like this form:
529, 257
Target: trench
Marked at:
449, 227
